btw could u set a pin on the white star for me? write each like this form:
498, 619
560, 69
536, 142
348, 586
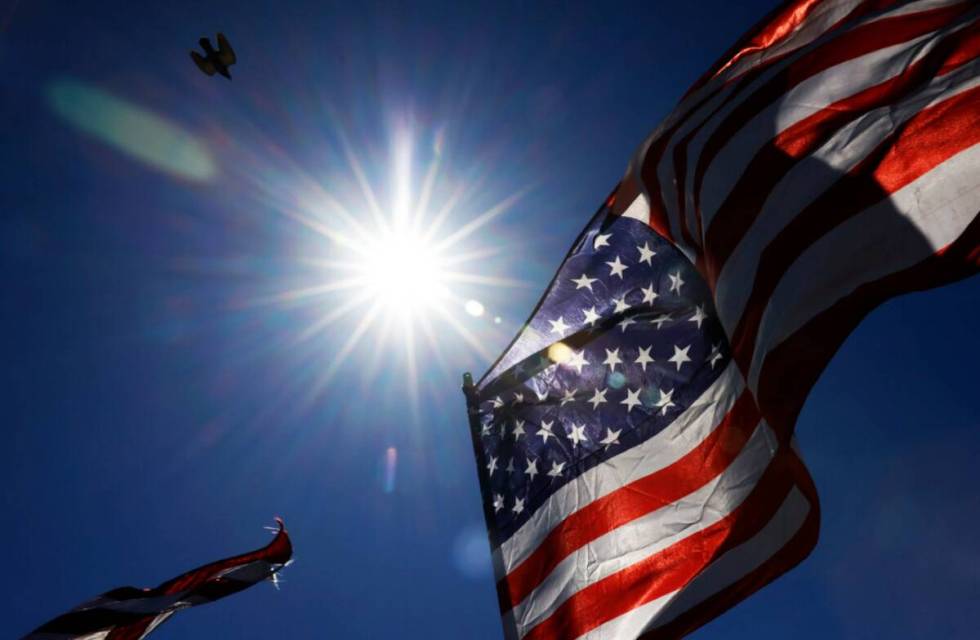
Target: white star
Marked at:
699, 316
498, 502
485, 431
492, 465
577, 361
715, 355
590, 316
541, 396
510, 466
665, 402
644, 358
632, 399
599, 397
545, 431
558, 326
646, 253
676, 282
503, 430
621, 305
661, 319
680, 356
556, 468
518, 397
612, 359
518, 505
649, 295
625, 322
584, 282
577, 435
601, 241
532, 468
518, 429
497, 402
612, 437
616, 268
568, 397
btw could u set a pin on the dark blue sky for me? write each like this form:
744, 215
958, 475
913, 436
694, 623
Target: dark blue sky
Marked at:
161, 404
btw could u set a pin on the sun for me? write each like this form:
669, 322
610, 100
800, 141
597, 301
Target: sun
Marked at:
405, 272
401, 255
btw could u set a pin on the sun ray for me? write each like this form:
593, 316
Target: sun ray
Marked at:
496, 281
294, 295
324, 322
362, 181
345, 350
481, 220
465, 334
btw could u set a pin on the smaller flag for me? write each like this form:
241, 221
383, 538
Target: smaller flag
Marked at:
130, 613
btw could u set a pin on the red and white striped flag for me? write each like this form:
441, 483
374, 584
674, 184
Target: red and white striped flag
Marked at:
635, 442
130, 613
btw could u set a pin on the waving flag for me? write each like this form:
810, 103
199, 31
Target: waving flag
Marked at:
129, 613
635, 441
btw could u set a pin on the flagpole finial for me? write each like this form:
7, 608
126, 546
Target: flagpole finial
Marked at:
469, 390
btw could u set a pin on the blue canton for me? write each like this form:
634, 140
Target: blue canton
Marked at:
624, 340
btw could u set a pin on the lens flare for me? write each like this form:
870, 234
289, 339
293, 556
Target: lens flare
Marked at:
131, 129
390, 469
560, 352
474, 308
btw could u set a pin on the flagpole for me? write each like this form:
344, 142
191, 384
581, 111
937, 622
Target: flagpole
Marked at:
473, 415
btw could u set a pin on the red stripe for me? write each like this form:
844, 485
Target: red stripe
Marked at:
792, 554
659, 218
933, 136
659, 489
860, 41
790, 370
744, 203
672, 568
788, 19
279, 551
967, 52
781, 23
133, 631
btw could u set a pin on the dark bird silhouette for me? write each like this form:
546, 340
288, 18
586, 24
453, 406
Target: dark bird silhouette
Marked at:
215, 61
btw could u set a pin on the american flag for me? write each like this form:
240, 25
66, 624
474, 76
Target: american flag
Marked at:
635, 441
130, 613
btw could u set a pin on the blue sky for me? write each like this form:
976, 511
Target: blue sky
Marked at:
163, 398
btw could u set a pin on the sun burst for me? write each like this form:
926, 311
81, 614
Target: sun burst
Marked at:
396, 259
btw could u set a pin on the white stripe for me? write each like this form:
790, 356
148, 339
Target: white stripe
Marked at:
639, 209
824, 16
897, 233
160, 619
684, 434
665, 166
651, 534
812, 29
800, 44
807, 98
724, 572
815, 174
695, 148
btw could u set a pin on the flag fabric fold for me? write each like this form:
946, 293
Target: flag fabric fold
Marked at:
635, 441
130, 613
